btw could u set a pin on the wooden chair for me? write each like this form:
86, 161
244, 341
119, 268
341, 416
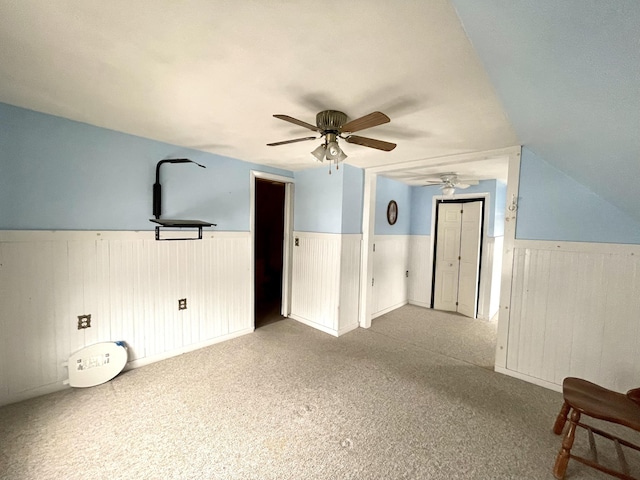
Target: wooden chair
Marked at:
586, 398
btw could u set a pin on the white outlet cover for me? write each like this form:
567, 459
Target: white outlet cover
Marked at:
96, 364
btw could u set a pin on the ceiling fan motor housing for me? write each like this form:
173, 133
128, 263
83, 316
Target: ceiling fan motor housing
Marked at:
330, 120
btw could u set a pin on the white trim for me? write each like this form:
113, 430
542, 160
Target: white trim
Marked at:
287, 251
287, 237
347, 329
33, 393
419, 304
58, 386
510, 218
317, 326
272, 176
449, 160
141, 362
389, 309
325, 236
530, 379
580, 247
366, 260
88, 235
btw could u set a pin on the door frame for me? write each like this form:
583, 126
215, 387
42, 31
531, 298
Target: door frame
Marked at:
459, 198
287, 236
449, 162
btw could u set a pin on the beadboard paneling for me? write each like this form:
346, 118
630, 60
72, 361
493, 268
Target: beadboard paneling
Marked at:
129, 283
349, 282
496, 275
315, 288
574, 312
390, 263
420, 270
491, 266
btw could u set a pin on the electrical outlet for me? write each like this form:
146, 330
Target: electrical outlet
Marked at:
406, 274
182, 304
84, 321
297, 242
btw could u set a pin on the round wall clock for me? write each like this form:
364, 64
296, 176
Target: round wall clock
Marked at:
392, 212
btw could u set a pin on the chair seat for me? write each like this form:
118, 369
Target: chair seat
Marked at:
599, 402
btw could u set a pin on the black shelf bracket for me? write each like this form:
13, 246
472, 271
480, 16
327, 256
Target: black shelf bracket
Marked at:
173, 223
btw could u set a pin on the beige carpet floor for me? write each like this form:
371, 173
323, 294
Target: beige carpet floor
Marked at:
450, 334
290, 402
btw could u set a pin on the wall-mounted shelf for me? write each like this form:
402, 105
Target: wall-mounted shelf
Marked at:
180, 224
173, 223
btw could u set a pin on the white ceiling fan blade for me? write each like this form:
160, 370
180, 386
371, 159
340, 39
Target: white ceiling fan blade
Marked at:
434, 179
465, 183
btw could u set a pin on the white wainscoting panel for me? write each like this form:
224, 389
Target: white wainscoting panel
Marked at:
349, 282
420, 270
574, 312
315, 285
496, 276
390, 264
326, 281
491, 267
129, 283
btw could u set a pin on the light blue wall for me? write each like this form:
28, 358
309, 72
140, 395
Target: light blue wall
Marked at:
500, 208
422, 206
387, 190
318, 200
57, 174
329, 203
421, 209
553, 206
352, 199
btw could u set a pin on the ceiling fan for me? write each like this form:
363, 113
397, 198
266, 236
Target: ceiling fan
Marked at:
449, 182
332, 124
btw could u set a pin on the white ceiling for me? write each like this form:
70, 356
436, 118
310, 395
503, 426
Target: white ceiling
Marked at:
209, 74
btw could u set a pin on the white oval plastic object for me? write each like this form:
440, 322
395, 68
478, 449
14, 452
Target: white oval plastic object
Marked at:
96, 364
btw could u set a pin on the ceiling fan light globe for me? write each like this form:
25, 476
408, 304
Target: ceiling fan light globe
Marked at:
448, 190
341, 156
319, 153
333, 150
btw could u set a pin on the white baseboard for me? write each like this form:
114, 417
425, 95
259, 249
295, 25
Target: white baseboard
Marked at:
141, 362
419, 304
317, 326
389, 309
33, 393
57, 386
527, 378
347, 329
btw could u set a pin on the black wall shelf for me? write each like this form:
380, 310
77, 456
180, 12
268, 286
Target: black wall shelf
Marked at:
171, 224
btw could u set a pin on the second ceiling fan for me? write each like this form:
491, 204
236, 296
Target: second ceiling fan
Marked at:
332, 124
449, 182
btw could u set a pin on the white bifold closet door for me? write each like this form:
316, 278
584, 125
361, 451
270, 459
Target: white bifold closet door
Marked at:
458, 257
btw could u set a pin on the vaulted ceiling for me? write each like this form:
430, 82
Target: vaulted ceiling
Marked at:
455, 77
568, 76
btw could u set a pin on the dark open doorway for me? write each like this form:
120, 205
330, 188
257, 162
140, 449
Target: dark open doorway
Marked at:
269, 237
